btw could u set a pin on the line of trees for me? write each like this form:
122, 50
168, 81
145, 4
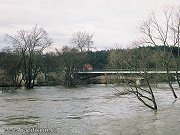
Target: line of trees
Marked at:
25, 59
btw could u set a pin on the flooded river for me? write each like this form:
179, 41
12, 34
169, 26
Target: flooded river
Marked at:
90, 110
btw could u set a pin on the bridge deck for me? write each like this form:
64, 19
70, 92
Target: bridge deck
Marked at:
126, 72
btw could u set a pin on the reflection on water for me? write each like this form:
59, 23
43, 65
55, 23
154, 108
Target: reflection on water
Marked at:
20, 120
91, 110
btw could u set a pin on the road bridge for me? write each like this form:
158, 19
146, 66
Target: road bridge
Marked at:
123, 74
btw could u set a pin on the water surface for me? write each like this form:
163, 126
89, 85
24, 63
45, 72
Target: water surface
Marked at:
90, 110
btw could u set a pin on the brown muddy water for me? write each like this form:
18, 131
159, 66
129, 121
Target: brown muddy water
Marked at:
90, 110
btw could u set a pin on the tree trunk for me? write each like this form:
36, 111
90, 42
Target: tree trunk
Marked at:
70, 79
152, 95
177, 75
170, 83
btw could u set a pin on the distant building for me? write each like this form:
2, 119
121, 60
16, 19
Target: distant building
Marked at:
87, 67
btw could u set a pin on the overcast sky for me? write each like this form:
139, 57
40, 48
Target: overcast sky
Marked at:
111, 21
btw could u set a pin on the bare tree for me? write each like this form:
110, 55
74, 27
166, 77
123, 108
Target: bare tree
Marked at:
133, 60
165, 32
82, 40
175, 28
29, 45
71, 60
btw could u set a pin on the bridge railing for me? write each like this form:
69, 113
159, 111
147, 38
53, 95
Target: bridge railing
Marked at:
125, 72
96, 70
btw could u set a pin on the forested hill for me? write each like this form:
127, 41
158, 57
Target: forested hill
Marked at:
71, 57
98, 59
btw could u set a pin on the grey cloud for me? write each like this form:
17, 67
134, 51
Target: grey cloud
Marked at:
111, 21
